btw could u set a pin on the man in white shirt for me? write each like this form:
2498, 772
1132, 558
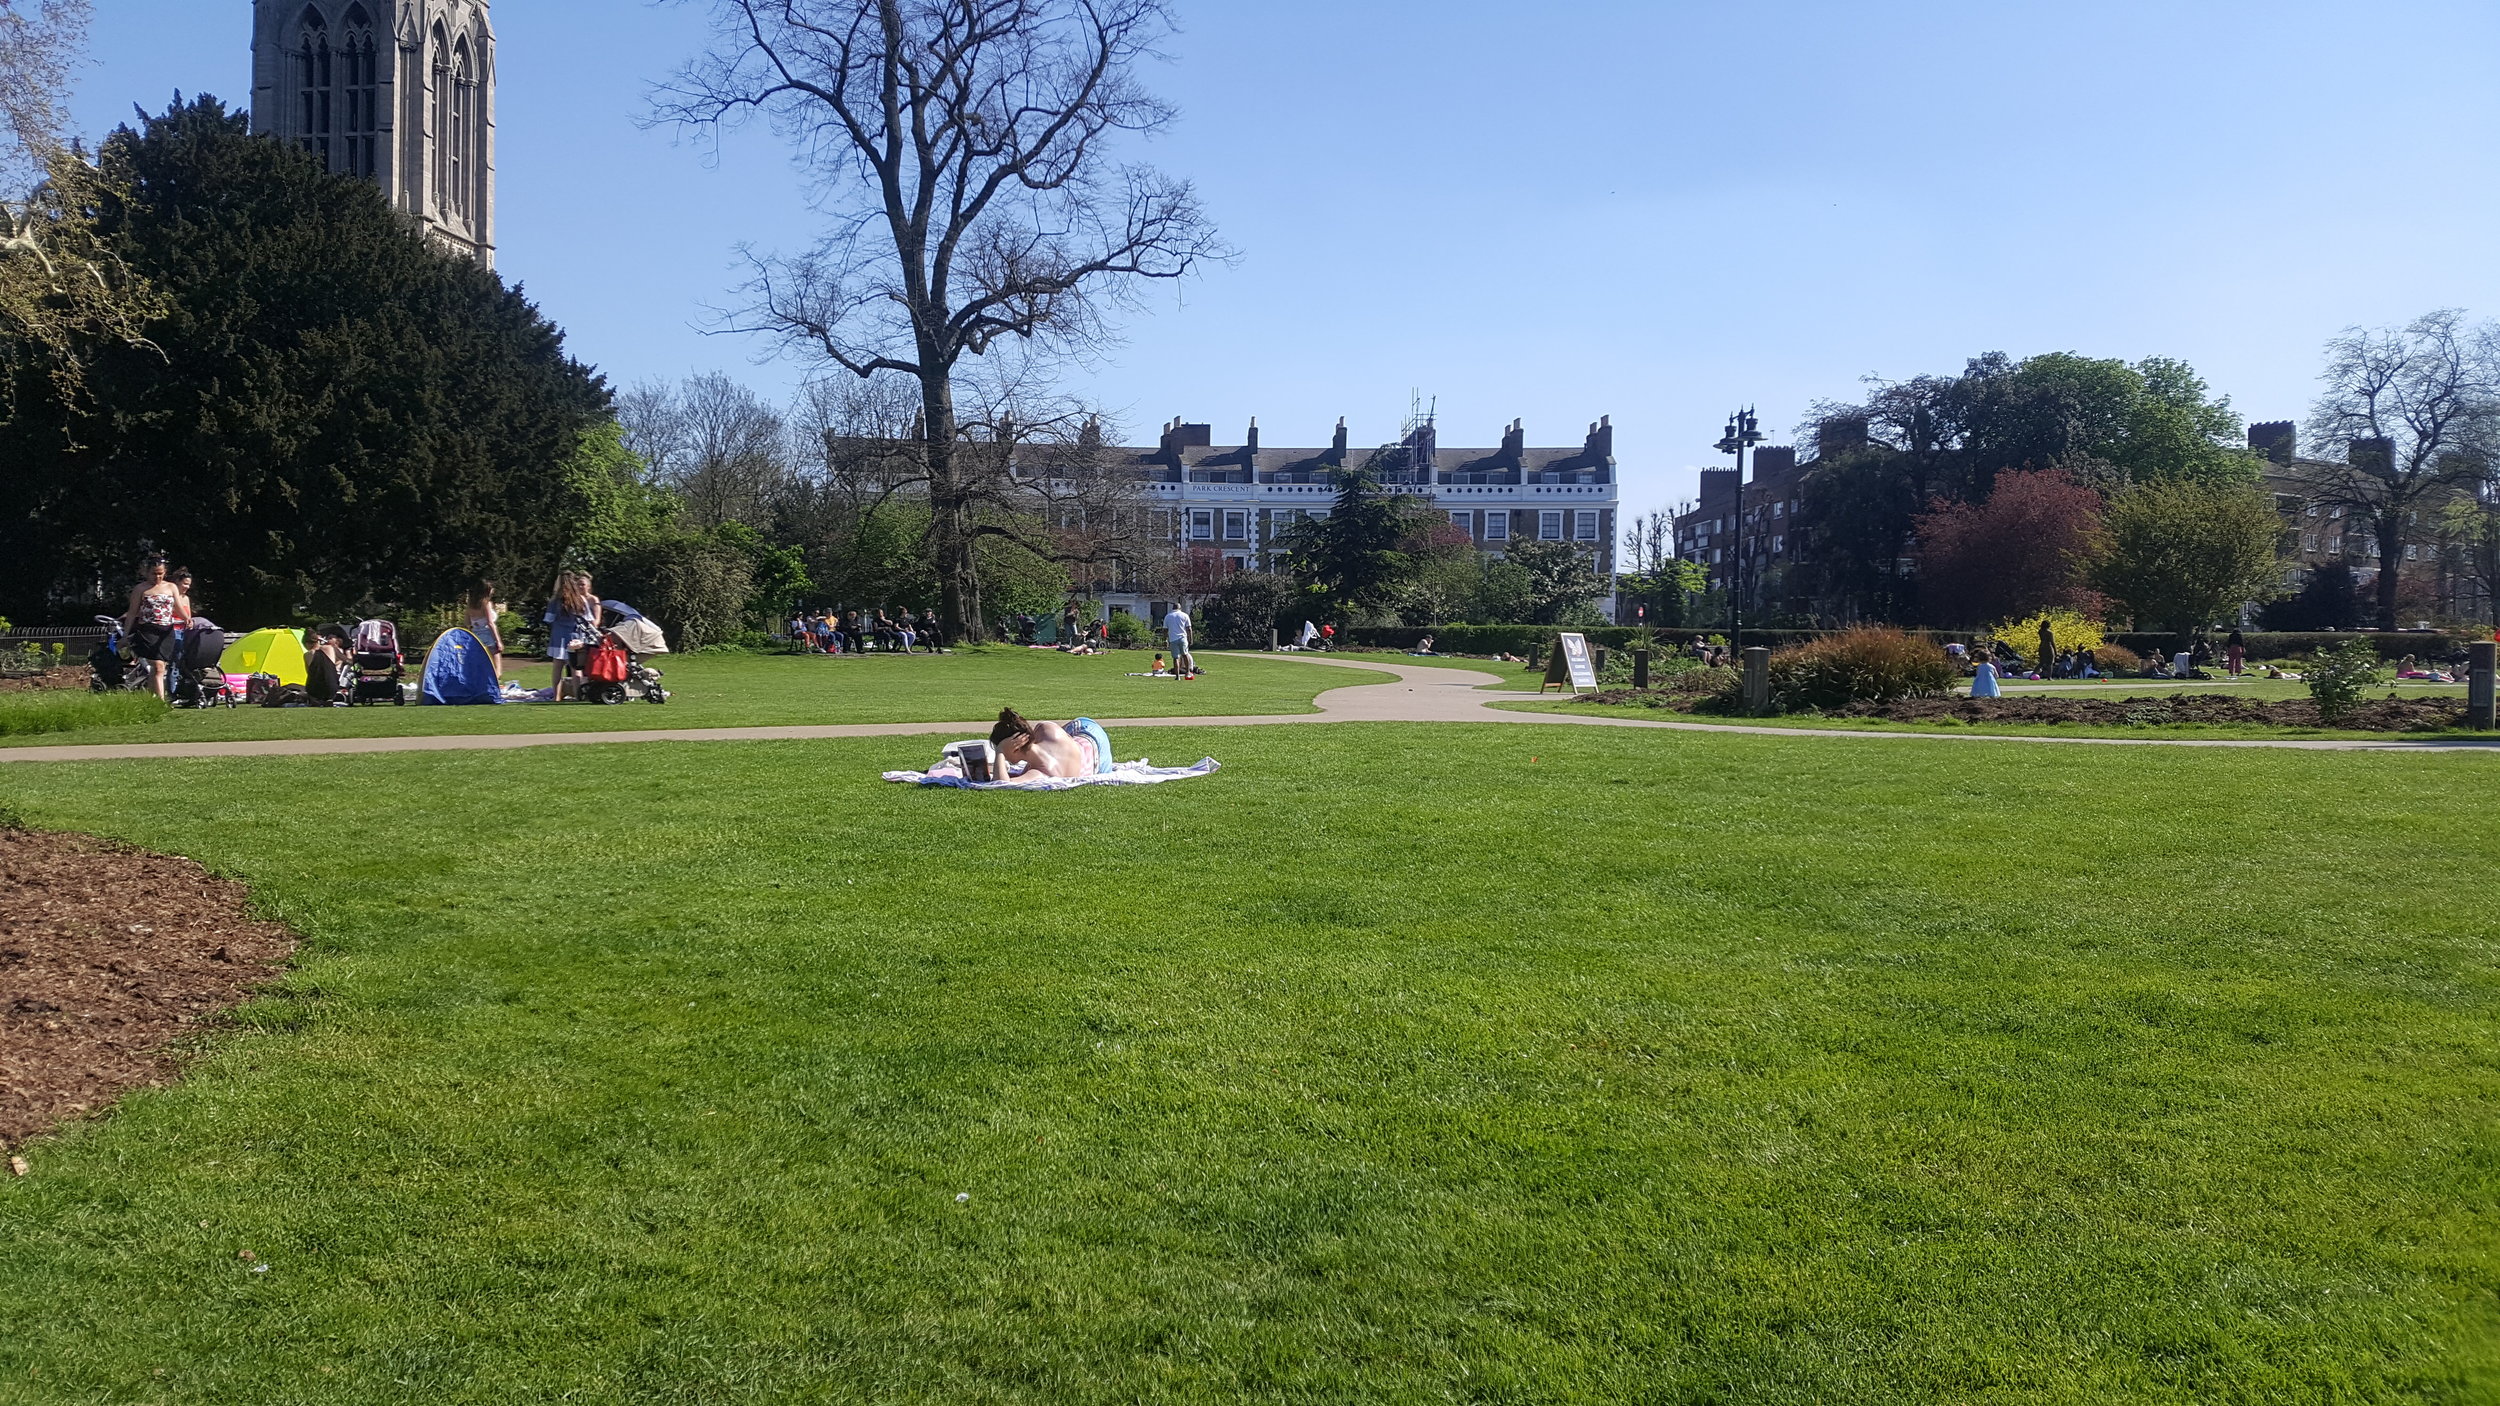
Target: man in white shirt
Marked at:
1176, 634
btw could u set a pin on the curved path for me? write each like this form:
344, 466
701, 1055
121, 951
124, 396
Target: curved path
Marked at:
1422, 694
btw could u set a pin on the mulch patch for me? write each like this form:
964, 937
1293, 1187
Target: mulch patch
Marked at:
2159, 710
67, 676
108, 955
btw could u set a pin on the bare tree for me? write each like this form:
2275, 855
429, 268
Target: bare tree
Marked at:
655, 431
59, 285
964, 148
1649, 542
40, 41
2413, 413
711, 441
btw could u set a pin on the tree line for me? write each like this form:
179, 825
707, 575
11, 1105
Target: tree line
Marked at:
2127, 490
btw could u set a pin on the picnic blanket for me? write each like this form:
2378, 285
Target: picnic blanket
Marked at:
1136, 773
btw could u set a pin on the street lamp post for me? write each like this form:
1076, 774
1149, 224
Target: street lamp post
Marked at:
1742, 432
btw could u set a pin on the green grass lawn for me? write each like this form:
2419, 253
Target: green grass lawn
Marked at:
1391, 1064
34, 712
1513, 676
745, 690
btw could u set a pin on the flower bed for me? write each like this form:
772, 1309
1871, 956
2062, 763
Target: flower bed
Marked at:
2166, 710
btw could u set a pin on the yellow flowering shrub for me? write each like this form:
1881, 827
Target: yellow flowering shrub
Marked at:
2070, 629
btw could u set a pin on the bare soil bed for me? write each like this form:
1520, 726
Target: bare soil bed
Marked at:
66, 676
108, 956
2160, 710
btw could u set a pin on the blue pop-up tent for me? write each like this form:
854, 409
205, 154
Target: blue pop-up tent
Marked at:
458, 670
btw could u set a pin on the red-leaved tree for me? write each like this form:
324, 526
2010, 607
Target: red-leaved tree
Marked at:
2026, 548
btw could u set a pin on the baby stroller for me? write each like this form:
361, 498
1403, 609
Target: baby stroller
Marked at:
612, 670
203, 675
611, 673
374, 654
107, 670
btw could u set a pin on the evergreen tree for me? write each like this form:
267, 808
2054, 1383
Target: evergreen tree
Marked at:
1355, 558
333, 412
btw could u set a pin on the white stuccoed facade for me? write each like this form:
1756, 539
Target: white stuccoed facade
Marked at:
1234, 500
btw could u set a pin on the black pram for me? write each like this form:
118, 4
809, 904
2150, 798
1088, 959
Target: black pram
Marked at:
203, 676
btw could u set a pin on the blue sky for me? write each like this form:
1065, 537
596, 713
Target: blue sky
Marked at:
1656, 211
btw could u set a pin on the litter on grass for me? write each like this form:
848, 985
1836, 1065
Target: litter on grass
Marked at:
1136, 773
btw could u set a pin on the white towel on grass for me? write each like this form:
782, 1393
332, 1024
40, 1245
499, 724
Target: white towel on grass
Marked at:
1136, 773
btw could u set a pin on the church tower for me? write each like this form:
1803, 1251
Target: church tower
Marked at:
401, 92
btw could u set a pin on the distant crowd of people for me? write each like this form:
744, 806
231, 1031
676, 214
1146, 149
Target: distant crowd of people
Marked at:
866, 632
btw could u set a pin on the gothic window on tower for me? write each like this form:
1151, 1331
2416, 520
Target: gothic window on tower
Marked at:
463, 119
312, 85
360, 93
441, 145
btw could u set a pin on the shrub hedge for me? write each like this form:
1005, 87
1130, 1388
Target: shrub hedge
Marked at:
1859, 666
1516, 639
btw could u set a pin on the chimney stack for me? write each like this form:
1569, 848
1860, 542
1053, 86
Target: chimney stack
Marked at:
1251, 443
1515, 444
2373, 456
1336, 446
2278, 440
1601, 445
1839, 434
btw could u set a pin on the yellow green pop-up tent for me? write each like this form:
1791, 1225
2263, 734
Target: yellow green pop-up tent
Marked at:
279, 652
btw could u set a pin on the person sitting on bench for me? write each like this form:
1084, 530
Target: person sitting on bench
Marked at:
1077, 748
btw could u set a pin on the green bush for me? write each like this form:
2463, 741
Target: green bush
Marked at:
61, 710
694, 584
2337, 677
1858, 666
1128, 632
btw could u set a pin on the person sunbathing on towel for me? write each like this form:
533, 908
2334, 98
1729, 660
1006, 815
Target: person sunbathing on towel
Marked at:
1078, 747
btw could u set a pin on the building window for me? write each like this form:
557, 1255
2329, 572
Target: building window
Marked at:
1236, 525
1202, 524
1584, 526
463, 118
1464, 522
1779, 509
360, 93
312, 83
442, 119
1779, 545
1714, 556
1497, 527
2309, 543
2413, 553
1549, 526
1159, 524
1232, 563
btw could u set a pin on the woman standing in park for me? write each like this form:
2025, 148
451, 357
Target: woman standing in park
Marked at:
2235, 651
572, 620
157, 609
481, 619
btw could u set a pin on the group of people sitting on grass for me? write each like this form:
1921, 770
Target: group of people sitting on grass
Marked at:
854, 632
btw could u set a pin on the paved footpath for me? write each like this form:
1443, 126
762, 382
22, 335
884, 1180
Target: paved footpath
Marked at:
1422, 694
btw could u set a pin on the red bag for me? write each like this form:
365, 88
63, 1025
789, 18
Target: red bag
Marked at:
606, 664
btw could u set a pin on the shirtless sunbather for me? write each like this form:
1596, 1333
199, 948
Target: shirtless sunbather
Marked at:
1078, 747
